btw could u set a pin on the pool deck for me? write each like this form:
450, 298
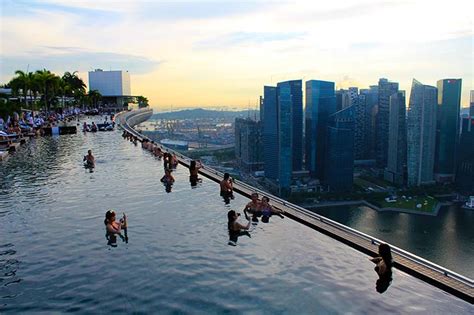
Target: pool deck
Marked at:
437, 276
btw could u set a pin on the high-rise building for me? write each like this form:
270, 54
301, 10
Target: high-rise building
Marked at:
248, 144
270, 132
385, 90
471, 108
397, 140
447, 133
283, 132
339, 99
360, 127
296, 98
465, 162
371, 100
320, 104
421, 134
339, 168
262, 109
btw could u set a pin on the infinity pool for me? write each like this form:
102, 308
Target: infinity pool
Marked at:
54, 256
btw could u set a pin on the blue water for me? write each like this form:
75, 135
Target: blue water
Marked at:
54, 256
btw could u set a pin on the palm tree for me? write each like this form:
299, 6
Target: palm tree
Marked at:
48, 84
77, 86
22, 82
95, 97
142, 101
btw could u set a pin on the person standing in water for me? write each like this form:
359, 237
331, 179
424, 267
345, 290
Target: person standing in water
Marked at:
89, 159
114, 228
227, 188
235, 228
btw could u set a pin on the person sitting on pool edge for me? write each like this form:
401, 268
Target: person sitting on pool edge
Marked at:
235, 228
227, 188
89, 159
253, 207
383, 268
267, 210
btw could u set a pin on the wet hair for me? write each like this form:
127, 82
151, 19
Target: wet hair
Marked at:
89, 151
108, 215
386, 254
192, 165
226, 175
230, 219
266, 198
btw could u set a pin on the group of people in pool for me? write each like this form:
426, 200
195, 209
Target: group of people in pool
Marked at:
255, 208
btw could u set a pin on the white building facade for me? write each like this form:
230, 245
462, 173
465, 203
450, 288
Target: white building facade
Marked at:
110, 83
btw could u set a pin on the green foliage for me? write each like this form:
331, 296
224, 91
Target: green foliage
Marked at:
51, 88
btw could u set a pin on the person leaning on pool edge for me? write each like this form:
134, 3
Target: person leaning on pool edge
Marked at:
383, 268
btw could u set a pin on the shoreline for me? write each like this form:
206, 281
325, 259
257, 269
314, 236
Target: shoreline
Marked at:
376, 208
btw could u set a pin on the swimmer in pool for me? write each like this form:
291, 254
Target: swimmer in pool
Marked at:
235, 228
268, 210
114, 228
383, 268
253, 207
89, 159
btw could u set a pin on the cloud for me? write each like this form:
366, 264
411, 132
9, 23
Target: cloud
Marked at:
239, 38
60, 59
183, 10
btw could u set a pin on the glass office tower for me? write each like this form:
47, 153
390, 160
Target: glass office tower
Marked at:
447, 133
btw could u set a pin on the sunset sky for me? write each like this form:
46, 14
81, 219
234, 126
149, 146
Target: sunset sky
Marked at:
222, 53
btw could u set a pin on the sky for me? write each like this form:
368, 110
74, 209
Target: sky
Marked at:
222, 53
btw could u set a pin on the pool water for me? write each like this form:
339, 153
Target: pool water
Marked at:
54, 255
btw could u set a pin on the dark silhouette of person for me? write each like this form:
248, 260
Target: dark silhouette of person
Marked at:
383, 268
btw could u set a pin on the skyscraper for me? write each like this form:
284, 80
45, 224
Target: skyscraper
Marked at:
447, 133
421, 131
471, 108
385, 90
248, 144
285, 136
371, 100
296, 98
360, 127
270, 132
397, 140
320, 104
283, 132
465, 163
339, 168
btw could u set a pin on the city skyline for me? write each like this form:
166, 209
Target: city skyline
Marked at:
216, 49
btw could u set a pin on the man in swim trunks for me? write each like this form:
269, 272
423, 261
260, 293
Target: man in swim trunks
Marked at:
226, 188
253, 207
89, 159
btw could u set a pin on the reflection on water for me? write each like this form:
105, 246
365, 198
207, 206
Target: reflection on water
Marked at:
445, 239
53, 256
